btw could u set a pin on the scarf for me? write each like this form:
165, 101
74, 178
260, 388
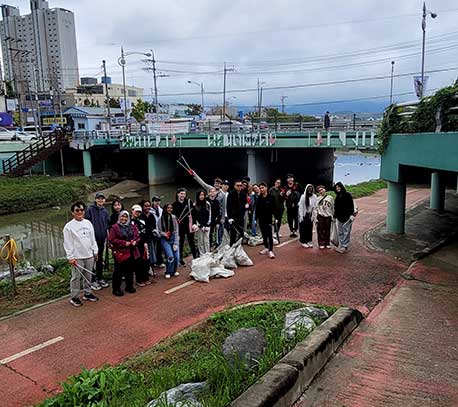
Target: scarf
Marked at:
126, 229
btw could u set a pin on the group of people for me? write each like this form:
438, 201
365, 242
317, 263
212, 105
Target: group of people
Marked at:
152, 236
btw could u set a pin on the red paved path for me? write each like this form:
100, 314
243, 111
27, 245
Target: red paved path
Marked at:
115, 328
405, 353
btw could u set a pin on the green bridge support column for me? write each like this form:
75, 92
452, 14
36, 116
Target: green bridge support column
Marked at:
395, 217
437, 199
161, 168
87, 163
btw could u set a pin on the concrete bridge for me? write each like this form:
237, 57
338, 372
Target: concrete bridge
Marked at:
261, 155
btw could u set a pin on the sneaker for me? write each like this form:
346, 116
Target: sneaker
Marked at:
264, 251
118, 293
305, 245
310, 244
76, 302
90, 297
341, 249
176, 274
328, 247
103, 284
182, 263
293, 234
280, 235
147, 282
271, 255
161, 266
96, 286
167, 276
321, 247
141, 284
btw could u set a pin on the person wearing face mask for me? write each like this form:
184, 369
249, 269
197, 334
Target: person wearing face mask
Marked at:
124, 240
324, 211
307, 206
293, 195
170, 240
182, 210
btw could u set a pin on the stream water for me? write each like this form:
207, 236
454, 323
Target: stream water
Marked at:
39, 232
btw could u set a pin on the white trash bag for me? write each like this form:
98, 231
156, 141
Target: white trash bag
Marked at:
240, 256
201, 268
220, 271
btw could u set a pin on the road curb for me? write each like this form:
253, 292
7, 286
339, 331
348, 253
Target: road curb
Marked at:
282, 385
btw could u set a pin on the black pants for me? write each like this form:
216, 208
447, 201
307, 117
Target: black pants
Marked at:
158, 245
293, 214
191, 241
99, 263
141, 266
236, 231
266, 231
305, 230
124, 269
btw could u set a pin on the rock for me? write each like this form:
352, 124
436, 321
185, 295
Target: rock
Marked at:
298, 318
317, 313
246, 345
56, 208
47, 268
184, 395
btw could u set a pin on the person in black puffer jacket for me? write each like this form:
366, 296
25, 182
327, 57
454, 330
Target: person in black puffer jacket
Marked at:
201, 216
344, 212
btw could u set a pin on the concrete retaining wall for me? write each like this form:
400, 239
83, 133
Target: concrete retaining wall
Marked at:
287, 380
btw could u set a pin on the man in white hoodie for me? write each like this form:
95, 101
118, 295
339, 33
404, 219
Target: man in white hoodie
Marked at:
81, 250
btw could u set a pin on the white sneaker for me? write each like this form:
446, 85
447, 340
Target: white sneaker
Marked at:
321, 247
271, 255
161, 266
328, 247
176, 274
96, 286
264, 251
167, 276
305, 245
310, 244
280, 235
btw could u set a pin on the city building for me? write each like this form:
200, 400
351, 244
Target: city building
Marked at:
92, 93
39, 49
92, 118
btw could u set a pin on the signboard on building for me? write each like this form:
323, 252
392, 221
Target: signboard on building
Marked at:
48, 121
11, 105
45, 103
127, 104
168, 128
6, 119
154, 117
118, 120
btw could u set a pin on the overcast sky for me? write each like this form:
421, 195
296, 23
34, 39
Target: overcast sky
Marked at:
277, 41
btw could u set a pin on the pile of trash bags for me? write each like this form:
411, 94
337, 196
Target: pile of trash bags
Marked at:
220, 263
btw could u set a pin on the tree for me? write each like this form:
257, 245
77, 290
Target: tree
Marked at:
193, 109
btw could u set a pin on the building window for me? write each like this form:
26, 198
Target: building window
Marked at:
81, 126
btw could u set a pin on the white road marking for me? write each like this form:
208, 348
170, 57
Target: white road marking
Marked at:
384, 201
179, 287
31, 350
288, 242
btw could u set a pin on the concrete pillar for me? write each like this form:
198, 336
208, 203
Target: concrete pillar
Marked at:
395, 217
161, 168
437, 199
456, 183
252, 173
87, 163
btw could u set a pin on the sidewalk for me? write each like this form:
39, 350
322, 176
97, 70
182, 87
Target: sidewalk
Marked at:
117, 327
406, 352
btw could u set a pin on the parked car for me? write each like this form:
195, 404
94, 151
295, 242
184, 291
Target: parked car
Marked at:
23, 136
231, 126
16, 135
7, 135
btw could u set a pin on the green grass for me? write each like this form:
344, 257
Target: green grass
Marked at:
366, 188
191, 357
35, 192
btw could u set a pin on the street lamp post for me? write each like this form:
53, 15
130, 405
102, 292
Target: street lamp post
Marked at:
122, 64
201, 85
423, 27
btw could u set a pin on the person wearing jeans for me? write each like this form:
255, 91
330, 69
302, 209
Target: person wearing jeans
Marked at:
344, 212
168, 228
81, 251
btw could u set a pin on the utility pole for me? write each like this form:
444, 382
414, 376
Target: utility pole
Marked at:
224, 94
122, 62
283, 98
391, 87
423, 27
107, 94
156, 104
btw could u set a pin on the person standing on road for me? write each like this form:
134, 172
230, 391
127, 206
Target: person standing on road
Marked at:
324, 214
81, 250
170, 240
201, 216
142, 262
252, 200
182, 210
264, 213
236, 208
215, 206
326, 122
99, 217
116, 208
278, 196
223, 222
293, 195
307, 206
150, 221
156, 210
344, 212
124, 240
